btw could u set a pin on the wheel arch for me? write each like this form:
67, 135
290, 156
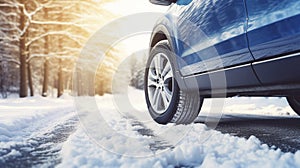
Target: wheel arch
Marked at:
157, 37
161, 33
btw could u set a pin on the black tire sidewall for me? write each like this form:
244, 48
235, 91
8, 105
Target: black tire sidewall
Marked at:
166, 117
294, 102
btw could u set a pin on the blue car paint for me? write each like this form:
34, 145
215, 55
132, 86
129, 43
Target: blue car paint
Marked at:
209, 34
183, 2
273, 27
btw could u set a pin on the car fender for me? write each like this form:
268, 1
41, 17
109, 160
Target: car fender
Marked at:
164, 30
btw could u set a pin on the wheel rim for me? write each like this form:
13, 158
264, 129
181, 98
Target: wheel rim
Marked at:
160, 83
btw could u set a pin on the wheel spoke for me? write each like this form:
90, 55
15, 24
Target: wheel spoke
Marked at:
152, 76
166, 69
168, 94
168, 75
152, 83
155, 98
165, 99
157, 64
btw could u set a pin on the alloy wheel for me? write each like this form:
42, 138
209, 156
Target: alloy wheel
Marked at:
160, 83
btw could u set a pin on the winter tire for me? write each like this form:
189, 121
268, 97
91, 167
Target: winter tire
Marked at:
166, 102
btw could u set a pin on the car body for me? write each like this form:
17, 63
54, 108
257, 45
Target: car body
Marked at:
233, 47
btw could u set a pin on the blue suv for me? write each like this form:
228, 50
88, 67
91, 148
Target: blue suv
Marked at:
222, 48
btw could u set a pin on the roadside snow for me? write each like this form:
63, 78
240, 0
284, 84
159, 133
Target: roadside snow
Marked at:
273, 106
21, 119
125, 135
220, 150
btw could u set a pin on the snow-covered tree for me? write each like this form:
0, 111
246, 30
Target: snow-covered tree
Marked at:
43, 38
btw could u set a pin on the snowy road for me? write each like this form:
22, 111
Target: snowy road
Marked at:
45, 132
132, 139
32, 130
41, 150
280, 132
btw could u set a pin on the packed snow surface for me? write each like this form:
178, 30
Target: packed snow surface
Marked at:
32, 129
125, 136
117, 131
23, 117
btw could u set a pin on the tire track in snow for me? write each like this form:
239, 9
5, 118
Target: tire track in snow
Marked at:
42, 150
156, 143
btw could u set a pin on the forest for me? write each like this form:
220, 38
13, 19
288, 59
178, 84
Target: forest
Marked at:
40, 42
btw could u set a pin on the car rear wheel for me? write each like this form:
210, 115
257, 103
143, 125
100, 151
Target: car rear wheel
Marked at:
166, 102
294, 102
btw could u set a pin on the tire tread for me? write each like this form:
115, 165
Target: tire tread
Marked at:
188, 108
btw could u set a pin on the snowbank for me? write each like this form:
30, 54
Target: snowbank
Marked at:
20, 118
127, 137
219, 150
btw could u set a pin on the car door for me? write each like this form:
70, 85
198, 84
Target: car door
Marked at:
273, 27
273, 32
212, 34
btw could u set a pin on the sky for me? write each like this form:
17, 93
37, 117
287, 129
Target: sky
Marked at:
121, 8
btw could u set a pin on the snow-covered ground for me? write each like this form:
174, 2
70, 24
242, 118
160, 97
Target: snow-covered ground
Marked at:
218, 151
116, 131
273, 106
29, 128
128, 138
